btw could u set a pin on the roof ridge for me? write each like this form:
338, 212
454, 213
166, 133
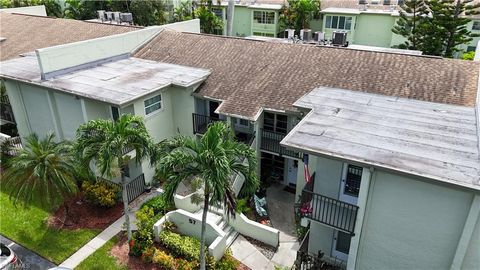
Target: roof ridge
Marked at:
315, 45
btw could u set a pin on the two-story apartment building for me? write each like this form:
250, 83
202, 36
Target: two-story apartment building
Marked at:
392, 138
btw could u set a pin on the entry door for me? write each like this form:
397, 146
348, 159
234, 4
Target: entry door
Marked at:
341, 245
212, 105
350, 185
292, 169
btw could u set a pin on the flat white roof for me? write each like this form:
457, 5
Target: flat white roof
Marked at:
359, 11
383, 49
432, 140
115, 82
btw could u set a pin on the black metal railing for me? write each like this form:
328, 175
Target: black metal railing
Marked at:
246, 138
329, 211
201, 122
135, 187
6, 112
271, 142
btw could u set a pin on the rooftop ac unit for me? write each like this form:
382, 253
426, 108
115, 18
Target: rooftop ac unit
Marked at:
108, 15
290, 33
116, 16
305, 35
339, 38
126, 17
319, 37
101, 15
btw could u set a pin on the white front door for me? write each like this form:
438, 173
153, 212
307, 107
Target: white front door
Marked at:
292, 169
341, 245
350, 184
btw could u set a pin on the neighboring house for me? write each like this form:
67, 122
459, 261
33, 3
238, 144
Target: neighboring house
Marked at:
418, 199
367, 24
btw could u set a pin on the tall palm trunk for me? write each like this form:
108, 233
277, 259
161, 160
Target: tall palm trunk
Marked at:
202, 235
125, 206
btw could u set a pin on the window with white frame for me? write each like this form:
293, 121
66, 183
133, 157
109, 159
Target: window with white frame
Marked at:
338, 22
153, 104
476, 25
264, 17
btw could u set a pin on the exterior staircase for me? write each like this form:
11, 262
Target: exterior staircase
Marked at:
216, 216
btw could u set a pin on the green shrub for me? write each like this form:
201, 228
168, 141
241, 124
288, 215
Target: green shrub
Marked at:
164, 260
242, 207
147, 254
144, 235
101, 193
159, 205
228, 262
169, 226
469, 56
186, 265
181, 246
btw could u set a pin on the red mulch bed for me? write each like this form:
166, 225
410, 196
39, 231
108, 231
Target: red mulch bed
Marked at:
120, 251
84, 215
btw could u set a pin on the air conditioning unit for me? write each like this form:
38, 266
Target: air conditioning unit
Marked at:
339, 38
319, 37
108, 15
116, 16
305, 35
126, 17
101, 15
289, 33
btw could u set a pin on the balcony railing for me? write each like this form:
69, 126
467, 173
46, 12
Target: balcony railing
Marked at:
201, 122
271, 142
6, 112
329, 211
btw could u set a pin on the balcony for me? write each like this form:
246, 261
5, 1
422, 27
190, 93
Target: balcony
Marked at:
6, 111
328, 211
271, 143
201, 122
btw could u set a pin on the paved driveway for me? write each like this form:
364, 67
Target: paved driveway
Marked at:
30, 260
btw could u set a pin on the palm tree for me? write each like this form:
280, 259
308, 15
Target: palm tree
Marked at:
212, 160
103, 142
42, 172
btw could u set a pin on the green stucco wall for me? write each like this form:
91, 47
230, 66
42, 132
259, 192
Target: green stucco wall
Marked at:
374, 30
242, 21
411, 224
472, 257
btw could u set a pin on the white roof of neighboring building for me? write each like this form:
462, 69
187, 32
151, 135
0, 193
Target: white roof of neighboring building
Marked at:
432, 140
115, 82
383, 49
359, 11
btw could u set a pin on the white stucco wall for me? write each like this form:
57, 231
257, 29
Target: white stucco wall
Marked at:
31, 10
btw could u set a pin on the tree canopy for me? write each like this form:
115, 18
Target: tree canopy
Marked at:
297, 14
436, 27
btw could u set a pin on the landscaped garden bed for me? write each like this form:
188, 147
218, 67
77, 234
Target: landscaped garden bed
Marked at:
85, 215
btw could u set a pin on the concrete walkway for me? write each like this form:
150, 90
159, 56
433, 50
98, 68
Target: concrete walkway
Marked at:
103, 237
280, 209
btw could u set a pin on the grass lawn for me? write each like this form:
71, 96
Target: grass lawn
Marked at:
28, 227
101, 259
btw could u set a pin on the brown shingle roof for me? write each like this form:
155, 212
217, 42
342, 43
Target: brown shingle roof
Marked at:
25, 33
248, 75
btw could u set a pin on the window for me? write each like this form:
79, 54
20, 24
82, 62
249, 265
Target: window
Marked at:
471, 48
153, 104
476, 25
218, 12
115, 113
262, 34
338, 22
264, 17
275, 122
